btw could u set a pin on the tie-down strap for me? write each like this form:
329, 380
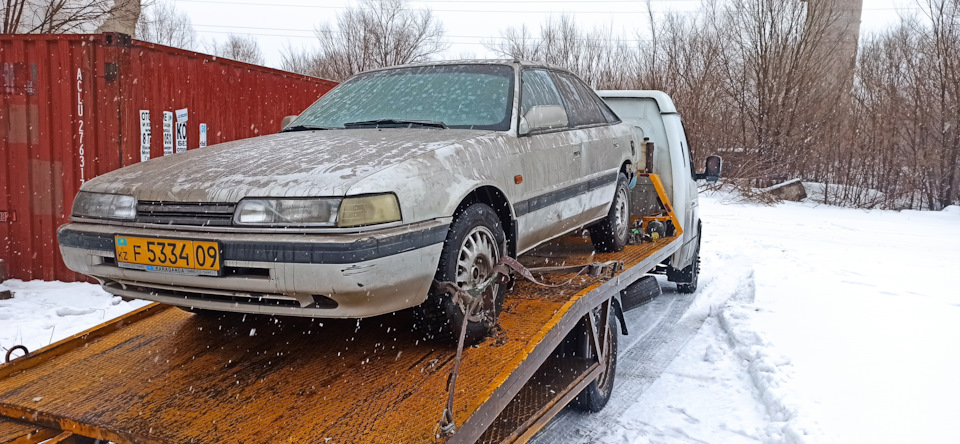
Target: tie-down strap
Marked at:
595, 269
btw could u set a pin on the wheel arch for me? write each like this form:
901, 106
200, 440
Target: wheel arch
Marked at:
496, 199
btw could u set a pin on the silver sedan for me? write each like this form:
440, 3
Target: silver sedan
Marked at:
393, 180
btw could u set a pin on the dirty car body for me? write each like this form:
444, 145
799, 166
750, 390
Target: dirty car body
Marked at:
345, 212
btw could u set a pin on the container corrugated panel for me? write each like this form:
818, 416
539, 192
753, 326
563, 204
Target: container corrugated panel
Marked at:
76, 106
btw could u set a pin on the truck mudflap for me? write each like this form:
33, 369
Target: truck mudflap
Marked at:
162, 375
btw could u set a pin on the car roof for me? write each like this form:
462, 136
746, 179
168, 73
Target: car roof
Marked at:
663, 100
506, 62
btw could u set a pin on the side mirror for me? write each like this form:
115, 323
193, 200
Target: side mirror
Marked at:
543, 117
287, 121
712, 172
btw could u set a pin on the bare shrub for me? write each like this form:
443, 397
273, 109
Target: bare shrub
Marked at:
240, 48
164, 25
376, 34
61, 16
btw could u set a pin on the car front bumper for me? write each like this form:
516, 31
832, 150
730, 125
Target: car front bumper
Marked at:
342, 275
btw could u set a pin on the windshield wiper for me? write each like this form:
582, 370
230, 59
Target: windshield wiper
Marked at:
291, 129
395, 123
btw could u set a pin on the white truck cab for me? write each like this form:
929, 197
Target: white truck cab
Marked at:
655, 119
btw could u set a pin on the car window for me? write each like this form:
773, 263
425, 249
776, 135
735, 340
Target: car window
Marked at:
582, 107
537, 89
459, 96
607, 112
688, 153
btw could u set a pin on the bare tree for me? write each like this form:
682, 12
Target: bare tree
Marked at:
598, 56
164, 25
684, 57
377, 34
774, 73
907, 109
240, 48
59, 16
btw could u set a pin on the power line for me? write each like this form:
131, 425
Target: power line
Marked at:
498, 37
512, 11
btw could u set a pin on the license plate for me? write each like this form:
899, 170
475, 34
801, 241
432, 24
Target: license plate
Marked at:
168, 255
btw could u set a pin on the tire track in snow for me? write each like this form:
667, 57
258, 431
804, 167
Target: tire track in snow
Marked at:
658, 331
656, 336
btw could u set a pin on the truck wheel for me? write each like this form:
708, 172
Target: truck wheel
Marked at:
473, 247
596, 394
687, 278
611, 233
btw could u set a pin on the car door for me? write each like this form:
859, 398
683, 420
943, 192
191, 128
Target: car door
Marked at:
551, 164
602, 147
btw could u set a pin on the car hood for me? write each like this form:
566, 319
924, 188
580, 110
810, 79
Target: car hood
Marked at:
295, 164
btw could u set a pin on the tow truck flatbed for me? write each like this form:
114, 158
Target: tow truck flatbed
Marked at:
162, 375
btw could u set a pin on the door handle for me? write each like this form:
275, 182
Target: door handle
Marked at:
576, 154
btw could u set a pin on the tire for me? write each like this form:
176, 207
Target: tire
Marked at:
473, 246
596, 394
612, 233
687, 278
640, 292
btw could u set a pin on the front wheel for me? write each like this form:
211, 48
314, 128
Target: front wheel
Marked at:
612, 233
474, 245
687, 277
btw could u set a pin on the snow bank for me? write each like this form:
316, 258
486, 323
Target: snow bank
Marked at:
727, 292
42, 313
862, 303
771, 373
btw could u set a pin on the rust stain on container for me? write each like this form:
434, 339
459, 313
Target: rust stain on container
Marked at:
70, 110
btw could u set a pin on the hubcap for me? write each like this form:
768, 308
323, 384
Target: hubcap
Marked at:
622, 214
479, 253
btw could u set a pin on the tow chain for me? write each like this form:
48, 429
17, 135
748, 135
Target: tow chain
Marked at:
469, 300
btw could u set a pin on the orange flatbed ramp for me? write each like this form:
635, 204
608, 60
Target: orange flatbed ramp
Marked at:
161, 375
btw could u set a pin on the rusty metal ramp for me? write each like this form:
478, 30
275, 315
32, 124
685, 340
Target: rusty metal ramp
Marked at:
162, 375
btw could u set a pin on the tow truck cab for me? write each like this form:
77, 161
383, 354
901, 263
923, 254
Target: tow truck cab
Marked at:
655, 119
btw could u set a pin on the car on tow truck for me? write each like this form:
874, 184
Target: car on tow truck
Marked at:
394, 180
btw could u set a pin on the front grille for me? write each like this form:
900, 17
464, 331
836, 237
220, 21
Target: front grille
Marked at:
202, 214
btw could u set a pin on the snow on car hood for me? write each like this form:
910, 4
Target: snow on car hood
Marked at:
295, 164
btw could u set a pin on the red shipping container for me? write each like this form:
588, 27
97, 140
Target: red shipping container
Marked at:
76, 106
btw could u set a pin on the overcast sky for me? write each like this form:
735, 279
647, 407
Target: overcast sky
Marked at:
467, 23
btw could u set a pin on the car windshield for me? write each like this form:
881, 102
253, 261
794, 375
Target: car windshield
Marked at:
445, 96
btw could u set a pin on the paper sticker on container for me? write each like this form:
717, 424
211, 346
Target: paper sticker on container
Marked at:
181, 130
144, 135
203, 135
167, 133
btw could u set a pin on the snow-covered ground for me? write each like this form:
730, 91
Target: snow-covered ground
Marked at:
852, 335
42, 313
812, 324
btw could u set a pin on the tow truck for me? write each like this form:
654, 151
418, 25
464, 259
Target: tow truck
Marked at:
162, 375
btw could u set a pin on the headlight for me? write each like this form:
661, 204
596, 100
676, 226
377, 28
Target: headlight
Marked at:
322, 212
300, 212
104, 206
369, 210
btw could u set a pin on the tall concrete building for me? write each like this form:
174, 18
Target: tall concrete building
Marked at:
839, 47
123, 18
